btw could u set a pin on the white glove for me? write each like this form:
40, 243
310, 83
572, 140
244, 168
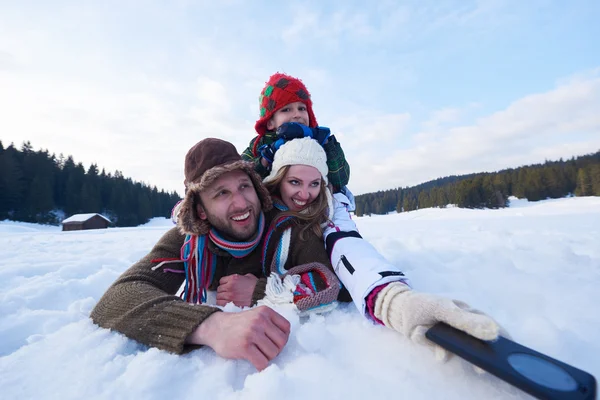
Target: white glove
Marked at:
412, 314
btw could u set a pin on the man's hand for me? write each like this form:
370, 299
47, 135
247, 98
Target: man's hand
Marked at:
236, 288
257, 335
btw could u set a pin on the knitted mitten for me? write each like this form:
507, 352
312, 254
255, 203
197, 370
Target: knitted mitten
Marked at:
413, 313
311, 287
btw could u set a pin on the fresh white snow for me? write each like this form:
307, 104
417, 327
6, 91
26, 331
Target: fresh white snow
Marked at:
535, 267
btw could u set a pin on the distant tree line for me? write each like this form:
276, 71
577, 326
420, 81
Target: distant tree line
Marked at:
36, 186
578, 176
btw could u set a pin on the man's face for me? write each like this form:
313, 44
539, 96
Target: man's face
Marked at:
293, 112
231, 205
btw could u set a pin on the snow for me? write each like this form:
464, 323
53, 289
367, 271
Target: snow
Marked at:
8, 226
82, 217
534, 266
158, 221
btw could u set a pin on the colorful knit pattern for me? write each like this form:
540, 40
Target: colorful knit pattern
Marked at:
283, 89
282, 251
238, 249
317, 289
280, 256
280, 91
276, 224
307, 285
195, 253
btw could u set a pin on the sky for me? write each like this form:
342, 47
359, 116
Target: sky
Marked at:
532, 266
413, 90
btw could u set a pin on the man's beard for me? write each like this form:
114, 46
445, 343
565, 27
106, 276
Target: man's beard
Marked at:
226, 229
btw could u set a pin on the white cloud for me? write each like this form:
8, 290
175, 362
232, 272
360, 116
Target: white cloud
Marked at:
214, 94
325, 25
7, 61
104, 98
395, 22
125, 130
559, 123
369, 129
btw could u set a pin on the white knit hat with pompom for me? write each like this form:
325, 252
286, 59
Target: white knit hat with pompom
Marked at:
302, 151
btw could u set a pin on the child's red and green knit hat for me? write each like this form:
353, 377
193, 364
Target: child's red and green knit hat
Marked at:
280, 91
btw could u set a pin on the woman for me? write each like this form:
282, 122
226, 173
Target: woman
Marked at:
298, 186
297, 183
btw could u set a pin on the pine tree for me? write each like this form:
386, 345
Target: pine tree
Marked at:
144, 208
595, 179
399, 206
74, 190
360, 207
380, 207
584, 183
367, 210
423, 201
389, 201
520, 183
462, 194
534, 187
60, 184
441, 199
11, 183
91, 198
41, 202
570, 173
38, 181
410, 202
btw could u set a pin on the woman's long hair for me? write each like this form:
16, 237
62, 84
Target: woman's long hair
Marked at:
309, 218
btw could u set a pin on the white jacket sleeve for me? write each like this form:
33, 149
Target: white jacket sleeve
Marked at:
356, 262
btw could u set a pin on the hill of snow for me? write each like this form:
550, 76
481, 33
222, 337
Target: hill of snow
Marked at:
535, 267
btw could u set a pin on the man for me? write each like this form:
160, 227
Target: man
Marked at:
221, 224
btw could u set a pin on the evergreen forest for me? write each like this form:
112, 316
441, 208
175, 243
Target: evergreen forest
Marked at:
39, 187
579, 176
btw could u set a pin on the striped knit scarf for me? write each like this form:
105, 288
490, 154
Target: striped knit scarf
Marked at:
306, 294
282, 251
200, 263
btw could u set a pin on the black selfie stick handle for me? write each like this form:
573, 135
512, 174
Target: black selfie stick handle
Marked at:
494, 357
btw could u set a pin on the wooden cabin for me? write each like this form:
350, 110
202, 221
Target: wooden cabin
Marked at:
79, 222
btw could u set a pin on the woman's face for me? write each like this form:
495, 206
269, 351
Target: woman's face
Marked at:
300, 187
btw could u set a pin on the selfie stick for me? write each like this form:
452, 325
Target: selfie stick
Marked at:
535, 373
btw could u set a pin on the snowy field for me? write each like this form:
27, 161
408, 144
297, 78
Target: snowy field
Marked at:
535, 267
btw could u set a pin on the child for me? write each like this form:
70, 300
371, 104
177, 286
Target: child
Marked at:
286, 113
284, 100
